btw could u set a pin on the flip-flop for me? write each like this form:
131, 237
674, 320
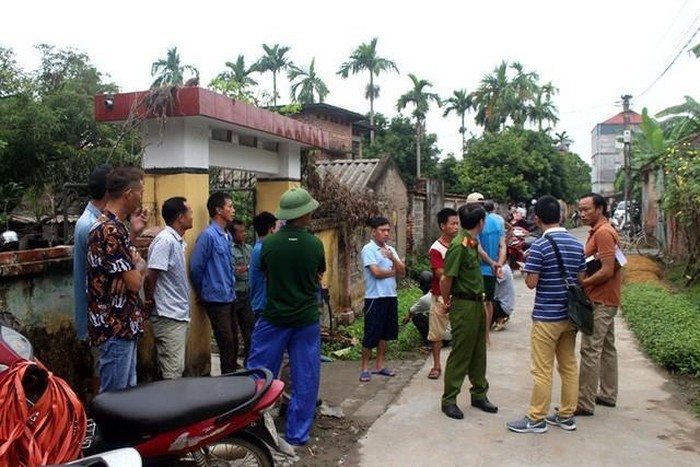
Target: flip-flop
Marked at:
385, 372
434, 373
365, 377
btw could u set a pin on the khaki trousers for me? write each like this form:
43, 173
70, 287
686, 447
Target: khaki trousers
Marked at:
550, 340
599, 360
171, 339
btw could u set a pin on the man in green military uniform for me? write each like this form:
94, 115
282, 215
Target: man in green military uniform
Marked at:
462, 290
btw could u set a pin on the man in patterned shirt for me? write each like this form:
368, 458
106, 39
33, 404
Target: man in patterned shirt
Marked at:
115, 273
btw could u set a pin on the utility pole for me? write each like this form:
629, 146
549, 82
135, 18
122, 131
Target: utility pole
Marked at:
627, 138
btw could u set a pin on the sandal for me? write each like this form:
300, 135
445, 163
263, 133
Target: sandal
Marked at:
385, 372
365, 377
434, 373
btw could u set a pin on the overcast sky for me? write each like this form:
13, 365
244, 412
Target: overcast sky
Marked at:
593, 51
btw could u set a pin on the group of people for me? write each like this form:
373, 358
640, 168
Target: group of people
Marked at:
268, 292
462, 304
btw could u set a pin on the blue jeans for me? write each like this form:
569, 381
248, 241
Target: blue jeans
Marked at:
117, 364
303, 345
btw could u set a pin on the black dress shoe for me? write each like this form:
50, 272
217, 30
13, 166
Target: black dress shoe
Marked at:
582, 412
453, 411
603, 402
485, 405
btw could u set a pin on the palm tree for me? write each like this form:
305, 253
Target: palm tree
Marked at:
365, 57
274, 61
542, 108
491, 100
235, 81
562, 141
421, 104
168, 71
460, 102
308, 84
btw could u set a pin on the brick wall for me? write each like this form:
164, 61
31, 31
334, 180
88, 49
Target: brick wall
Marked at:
339, 133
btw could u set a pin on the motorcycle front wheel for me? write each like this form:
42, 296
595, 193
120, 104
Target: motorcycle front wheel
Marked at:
239, 452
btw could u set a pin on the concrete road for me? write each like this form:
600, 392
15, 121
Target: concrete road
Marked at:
649, 427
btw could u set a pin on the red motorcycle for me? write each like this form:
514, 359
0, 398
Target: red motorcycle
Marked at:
203, 421
518, 241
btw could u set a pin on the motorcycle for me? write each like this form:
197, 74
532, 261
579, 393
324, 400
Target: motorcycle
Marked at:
202, 421
518, 241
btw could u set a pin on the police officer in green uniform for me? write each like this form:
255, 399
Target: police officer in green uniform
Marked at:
462, 290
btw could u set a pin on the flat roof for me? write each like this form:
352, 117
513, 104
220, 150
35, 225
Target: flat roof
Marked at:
199, 102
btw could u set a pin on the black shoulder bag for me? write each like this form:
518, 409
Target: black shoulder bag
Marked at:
579, 307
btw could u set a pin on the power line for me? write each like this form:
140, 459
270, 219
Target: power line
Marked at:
670, 64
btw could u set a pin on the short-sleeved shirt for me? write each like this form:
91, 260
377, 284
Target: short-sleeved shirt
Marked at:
111, 314
462, 264
258, 282
166, 254
436, 254
292, 258
241, 257
550, 295
602, 240
490, 239
372, 256
82, 230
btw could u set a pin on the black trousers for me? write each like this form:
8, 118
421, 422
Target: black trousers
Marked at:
225, 330
244, 317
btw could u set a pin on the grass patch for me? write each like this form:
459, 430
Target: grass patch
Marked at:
405, 347
666, 325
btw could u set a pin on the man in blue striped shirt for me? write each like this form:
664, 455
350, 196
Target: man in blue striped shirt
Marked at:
552, 334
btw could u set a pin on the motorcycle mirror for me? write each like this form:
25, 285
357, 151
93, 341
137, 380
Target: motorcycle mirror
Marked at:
17, 343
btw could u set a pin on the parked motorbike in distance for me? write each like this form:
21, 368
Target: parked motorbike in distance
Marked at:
518, 241
201, 421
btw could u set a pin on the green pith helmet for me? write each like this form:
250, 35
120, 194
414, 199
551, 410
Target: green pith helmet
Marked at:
295, 203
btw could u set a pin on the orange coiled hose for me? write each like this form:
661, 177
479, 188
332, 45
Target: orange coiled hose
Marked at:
50, 431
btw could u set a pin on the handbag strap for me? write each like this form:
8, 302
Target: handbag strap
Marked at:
562, 268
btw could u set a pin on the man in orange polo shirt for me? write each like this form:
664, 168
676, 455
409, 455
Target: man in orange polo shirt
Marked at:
598, 370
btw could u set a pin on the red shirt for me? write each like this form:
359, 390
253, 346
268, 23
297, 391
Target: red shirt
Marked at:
437, 261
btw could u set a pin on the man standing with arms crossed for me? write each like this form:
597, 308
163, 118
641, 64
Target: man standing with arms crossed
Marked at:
462, 291
167, 290
380, 264
598, 370
242, 312
448, 222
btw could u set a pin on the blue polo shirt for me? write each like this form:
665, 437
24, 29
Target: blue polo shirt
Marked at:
550, 294
211, 272
257, 280
82, 230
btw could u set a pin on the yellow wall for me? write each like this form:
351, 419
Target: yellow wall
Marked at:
194, 187
268, 193
332, 277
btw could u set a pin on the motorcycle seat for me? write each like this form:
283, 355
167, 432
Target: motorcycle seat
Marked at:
140, 412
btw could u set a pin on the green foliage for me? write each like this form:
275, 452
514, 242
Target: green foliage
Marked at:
408, 341
236, 82
274, 60
306, 84
519, 165
417, 263
48, 126
397, 138
666, 325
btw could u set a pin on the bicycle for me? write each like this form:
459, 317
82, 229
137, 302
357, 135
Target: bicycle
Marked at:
640, 241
